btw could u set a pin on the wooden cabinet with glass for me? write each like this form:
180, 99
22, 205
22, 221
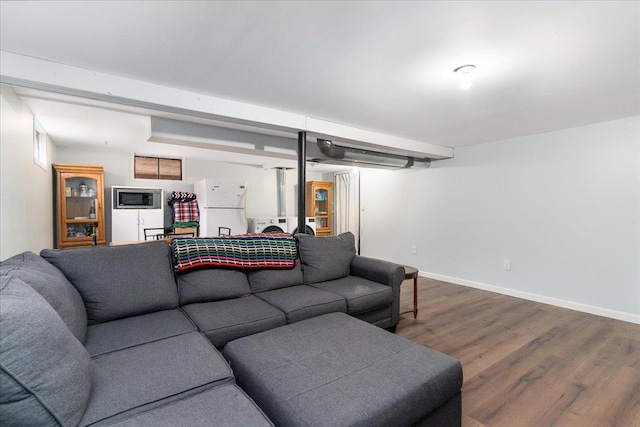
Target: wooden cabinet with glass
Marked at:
319, 204
79, 205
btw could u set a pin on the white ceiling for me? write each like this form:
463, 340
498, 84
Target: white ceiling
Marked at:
382, 66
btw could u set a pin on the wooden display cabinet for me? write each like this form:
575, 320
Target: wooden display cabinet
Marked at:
319, 203
79, 205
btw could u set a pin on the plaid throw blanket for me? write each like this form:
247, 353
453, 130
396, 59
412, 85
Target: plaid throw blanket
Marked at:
250, 251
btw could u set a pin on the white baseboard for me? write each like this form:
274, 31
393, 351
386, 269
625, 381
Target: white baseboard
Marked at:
613, 314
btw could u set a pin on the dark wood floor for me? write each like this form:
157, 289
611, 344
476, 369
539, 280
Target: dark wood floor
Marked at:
527, 363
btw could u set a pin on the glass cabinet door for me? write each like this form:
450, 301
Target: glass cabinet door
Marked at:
321, 201
81, 210
318, 204
79, 205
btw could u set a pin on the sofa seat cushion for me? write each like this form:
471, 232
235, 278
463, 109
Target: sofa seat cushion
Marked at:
223, 321
45, 373
119, 281
338, 370
226, 405
38, 273
326, 258
301, 302
136, 379
123, 333
361, 294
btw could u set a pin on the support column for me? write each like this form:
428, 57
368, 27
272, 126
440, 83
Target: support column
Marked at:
302, 179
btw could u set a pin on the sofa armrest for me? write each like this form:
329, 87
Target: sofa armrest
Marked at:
385, 272
377, 270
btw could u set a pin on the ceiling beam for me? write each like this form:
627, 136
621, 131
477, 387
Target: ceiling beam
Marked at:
35, 73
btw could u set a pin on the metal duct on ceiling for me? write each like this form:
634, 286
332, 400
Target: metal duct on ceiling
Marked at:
341, 154
282, 191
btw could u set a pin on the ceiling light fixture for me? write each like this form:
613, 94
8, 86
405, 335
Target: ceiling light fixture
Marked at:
464, 72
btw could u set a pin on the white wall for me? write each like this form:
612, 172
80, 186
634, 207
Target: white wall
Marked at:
26, 202
261, 183
563, 206
262, 189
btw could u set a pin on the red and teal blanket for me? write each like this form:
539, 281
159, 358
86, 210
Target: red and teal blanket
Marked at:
249, 251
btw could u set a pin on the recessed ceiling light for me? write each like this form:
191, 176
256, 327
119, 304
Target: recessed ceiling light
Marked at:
464, 72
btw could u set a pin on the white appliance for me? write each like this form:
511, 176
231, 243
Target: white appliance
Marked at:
310, 224
133, 210
222, 207
268, 225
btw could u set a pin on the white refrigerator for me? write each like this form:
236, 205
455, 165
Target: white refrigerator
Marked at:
222, 207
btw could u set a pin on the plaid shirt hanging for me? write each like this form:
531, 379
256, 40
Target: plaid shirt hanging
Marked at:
186, 211
185, 207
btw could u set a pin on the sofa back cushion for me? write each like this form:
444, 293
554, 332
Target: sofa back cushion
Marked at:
326, 258
119, 281
52, 286
45, 373
267, 280
212, 284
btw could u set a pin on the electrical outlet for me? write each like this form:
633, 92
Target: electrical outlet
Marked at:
506, 264
414, 250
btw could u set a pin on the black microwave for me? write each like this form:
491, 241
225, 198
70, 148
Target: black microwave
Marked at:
137, 198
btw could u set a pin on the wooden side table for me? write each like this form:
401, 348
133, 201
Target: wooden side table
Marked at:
412, 273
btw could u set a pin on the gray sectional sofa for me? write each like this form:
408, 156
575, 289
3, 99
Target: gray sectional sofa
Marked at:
112, 336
